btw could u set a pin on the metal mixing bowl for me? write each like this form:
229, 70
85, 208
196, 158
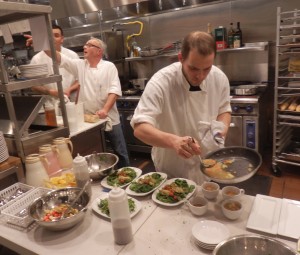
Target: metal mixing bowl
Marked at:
101, 164
252, 245
55, 198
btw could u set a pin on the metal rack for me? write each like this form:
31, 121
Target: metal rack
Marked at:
11, 12
286, 132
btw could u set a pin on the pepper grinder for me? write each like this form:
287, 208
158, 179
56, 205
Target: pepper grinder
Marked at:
120, 216
81, 172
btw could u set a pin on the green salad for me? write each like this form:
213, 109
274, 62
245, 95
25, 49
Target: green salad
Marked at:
175, 191
147, 183
103, 206
121, 177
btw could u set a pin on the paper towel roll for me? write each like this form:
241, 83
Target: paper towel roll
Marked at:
72, 116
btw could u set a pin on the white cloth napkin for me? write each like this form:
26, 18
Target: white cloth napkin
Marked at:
108, 125
210, 135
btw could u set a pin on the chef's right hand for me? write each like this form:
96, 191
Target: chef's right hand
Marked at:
29, 41
187, 147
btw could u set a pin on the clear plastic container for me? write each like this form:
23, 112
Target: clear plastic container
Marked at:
82, 175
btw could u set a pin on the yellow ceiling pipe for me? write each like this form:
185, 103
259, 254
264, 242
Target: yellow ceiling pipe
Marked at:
134, 34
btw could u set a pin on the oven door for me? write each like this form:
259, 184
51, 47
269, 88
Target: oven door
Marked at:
235, 133
133, 144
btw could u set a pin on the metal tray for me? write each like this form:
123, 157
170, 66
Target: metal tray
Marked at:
243, 157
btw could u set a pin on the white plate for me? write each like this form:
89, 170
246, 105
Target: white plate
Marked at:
133, 193
265, 214
210, 232
138, 206
169, 182
106, 185
289, 223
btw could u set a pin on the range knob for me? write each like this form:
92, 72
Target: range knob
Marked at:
251, 145
235, 108
249, 108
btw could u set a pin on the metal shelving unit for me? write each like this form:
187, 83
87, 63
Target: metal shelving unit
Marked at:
286, 131
12, 12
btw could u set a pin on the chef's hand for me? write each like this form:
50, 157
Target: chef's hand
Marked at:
187, 147
102, 114
29, 41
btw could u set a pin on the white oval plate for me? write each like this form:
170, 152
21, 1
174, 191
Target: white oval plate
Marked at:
169, 182
210, 232
138, 206
138, 174
133, 193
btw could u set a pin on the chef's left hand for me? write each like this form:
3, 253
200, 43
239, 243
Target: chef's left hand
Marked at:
102, 114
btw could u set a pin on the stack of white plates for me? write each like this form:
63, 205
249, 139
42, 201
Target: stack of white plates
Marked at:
34, 71
3, 149
208, 234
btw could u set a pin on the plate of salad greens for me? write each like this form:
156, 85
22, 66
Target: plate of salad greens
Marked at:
100, 206
174, 192
121, 178
146, 184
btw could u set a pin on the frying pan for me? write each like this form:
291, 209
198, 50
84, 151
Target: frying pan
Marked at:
245, 165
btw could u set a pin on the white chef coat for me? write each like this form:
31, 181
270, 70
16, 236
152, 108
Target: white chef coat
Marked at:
95, 84
168, 105
67, 78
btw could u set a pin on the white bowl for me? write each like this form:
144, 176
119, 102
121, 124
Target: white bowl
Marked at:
210, 190
232, 209
232, 192
198, 205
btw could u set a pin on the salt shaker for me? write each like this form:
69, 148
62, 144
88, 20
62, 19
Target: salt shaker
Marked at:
120, 216
81, 173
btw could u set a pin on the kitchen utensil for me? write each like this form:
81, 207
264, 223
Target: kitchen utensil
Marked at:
70, 206
248, 90
106, 161
55, 198
252, 244
65, 148
245, 163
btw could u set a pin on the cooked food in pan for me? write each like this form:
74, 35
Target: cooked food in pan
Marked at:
218, 170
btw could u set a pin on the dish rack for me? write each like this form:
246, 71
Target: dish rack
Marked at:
11, 215
11, 190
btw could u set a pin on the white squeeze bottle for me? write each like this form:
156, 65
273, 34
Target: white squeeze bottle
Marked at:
120, 215
81, 172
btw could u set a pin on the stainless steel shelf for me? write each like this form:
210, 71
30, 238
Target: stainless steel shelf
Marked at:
17, 85
11, 12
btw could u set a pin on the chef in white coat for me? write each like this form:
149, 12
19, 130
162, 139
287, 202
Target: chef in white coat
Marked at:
178, 101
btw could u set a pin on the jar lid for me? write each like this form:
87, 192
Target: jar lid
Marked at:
45, 148
32, 158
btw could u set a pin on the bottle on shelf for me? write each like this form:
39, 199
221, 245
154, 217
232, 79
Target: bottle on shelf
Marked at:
237, 37
81, 172
209, 31
120, 216
230, 36
220, 38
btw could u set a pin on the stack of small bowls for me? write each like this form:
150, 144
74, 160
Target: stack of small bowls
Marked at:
3, 149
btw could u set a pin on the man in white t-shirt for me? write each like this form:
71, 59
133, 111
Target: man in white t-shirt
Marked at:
69, 81
99, 89
176, 103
